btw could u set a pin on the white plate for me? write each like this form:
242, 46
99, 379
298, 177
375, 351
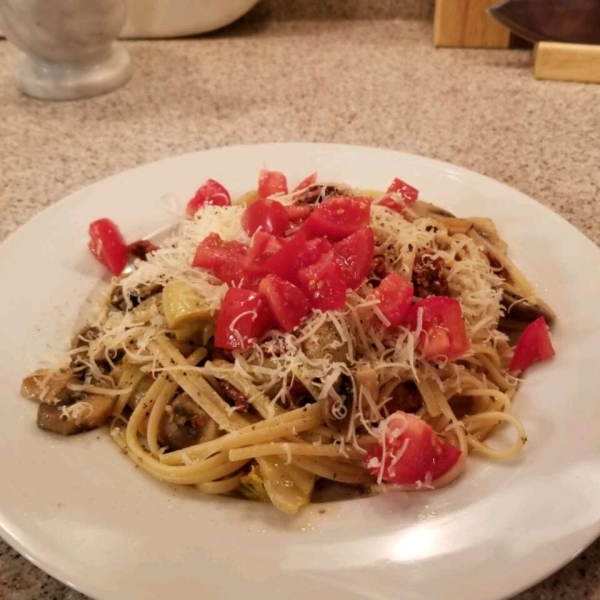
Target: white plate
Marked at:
82, 512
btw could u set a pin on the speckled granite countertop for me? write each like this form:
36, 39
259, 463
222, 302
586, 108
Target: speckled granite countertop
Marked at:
283, 74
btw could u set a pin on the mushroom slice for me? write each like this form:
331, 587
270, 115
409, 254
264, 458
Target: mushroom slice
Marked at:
84, 415
427, 209
519, 296
526, 309
185, 424
337, 408
48, 386
326, 340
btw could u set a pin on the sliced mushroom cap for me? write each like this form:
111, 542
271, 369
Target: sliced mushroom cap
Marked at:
84, 415
326, 340
405, 397
427, 209
337, 408
317, 192
525, 309
143, 292
48, 386
185, 424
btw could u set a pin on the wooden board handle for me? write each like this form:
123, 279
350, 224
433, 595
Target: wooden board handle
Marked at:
466, 24
567, 62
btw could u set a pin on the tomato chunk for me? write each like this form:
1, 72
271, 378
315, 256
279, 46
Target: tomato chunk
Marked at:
210, 192
213, 252
108, 246
243, 318
395, 296
225, 260
399, 196
339, 216
287, 302
355, 256
270, 215
307, 182
413, 452
323, 283
264, 245
298, 212
271, 182
296, 254
533, 346
443, 329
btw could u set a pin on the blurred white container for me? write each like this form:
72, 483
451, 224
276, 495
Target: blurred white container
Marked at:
174, 18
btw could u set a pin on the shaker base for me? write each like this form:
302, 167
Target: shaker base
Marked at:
70, 81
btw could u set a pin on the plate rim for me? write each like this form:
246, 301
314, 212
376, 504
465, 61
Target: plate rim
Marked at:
13, 534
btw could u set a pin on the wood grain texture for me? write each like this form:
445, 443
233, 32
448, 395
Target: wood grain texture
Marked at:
465, 24
567, 62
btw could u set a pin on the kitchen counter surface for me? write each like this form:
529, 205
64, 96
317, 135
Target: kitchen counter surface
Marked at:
374, 82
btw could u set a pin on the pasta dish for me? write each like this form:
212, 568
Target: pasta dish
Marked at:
286, 342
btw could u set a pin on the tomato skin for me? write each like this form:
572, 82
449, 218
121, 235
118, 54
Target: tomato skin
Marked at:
445, 460
390, 203
323, 283
421, 452
213, 252
264, 245
533, 346
307, 182
225, 260
444, 332
108, 246
245, 329
297, 253
395, 296
399, 196
298, 212
355, 256
270, 215
210, 192
338, 217
271, 182
287, 302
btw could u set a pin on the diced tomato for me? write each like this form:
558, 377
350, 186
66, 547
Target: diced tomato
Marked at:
296, 254
213, 252
390, 203
323, 283
264, 245
408, 193
271, 182
445, 460
356, 256
287, 302
108, 246
269, 215
339, 216
233, 331
399, 196
298, 212
395, 296
443, 329
533, 346
307, 182
211, 192
225, 260
413, 452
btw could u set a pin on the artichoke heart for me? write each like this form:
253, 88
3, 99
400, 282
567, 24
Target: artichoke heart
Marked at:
185, 306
